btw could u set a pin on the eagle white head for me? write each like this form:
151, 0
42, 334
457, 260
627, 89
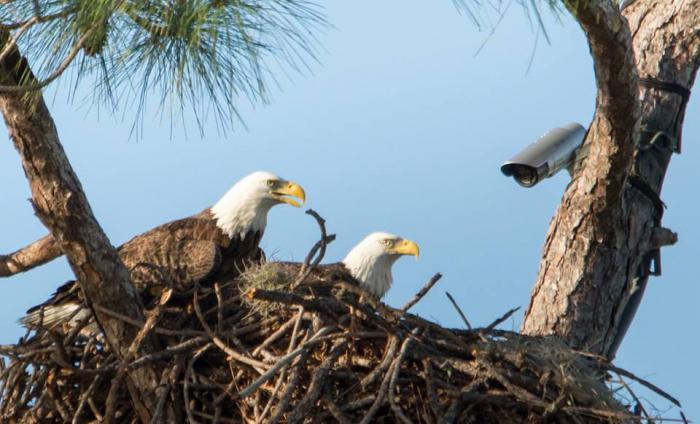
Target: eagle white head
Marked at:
243, 209
371, 260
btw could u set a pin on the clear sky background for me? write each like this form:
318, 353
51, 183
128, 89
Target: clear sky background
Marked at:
400, 127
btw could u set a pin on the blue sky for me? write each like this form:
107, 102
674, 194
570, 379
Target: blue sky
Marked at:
400, 127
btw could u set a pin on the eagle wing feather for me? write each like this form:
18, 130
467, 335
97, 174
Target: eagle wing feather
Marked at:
175, 255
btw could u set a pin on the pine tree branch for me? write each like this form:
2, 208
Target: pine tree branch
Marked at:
38, 253
38, 18
38, 85
617, 103
199, 54
600, 245
62, 206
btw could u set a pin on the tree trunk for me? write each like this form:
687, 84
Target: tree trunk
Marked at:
60, 203
606, 233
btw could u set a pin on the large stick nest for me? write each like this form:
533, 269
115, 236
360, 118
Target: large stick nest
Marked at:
270, 347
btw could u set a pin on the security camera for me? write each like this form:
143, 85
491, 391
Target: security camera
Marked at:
559, 148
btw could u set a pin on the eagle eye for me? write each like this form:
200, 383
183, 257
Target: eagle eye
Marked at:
387, 242
270, 183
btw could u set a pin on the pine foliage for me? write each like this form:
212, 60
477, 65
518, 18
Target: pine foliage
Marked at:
198, 54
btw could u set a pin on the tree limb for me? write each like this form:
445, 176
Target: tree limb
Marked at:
62, 206
610, 41
599, 247
17, 87
588, 226
38, 253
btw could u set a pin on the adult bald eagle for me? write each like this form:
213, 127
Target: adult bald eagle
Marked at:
369, 263
210, 245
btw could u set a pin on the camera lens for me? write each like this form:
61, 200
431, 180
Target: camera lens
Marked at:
526, 176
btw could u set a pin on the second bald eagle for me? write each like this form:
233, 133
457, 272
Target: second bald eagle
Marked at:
368, 264
371, 260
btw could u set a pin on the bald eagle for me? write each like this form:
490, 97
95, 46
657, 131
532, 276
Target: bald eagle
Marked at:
210, 245
370, 261
368, 264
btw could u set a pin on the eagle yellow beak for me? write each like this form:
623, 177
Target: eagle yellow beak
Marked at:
291, 189
405, 247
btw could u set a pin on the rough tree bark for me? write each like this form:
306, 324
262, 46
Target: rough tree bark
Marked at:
38, 253
605, 236
60, 203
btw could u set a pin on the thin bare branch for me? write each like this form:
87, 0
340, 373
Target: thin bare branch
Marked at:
392, 383
426, 288
459, 311
643, 382
504, 317
284, 361
320, 248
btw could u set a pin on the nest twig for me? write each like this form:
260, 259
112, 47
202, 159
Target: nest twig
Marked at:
321, 355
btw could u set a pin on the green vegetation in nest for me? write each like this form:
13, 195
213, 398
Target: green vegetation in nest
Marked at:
270, 276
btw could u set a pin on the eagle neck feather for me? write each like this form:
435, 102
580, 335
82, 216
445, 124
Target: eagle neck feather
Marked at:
238, 215
373, 273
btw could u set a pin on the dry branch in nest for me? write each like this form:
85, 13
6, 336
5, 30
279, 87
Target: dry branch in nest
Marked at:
254, 351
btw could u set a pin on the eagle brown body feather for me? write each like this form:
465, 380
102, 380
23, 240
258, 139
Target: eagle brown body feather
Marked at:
333, 272
187, 251
175, 255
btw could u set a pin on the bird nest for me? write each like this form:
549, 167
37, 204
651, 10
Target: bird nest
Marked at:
325, 352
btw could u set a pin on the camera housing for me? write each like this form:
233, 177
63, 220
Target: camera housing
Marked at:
558, 148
